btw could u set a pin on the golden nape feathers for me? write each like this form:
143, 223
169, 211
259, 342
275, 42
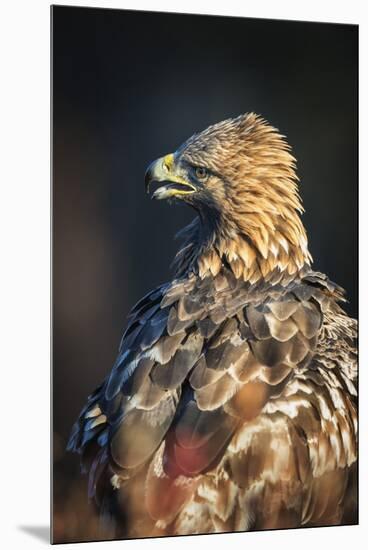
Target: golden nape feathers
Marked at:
232, 401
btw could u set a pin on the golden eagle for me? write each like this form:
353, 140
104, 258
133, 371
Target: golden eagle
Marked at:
232, 402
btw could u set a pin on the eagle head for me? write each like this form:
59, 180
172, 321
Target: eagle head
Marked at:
240, 177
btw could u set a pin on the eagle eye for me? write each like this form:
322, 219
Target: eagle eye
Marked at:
201, 173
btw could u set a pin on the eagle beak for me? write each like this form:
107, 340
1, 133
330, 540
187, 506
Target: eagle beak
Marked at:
162, 171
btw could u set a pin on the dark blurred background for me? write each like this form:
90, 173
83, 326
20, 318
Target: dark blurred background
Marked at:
129, 87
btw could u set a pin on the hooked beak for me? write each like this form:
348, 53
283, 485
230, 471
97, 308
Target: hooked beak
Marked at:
162, 171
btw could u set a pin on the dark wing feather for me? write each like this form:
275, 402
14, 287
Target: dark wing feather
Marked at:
139, 432
172, 374
196, 438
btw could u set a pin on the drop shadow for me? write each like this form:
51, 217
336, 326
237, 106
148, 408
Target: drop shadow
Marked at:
40, 532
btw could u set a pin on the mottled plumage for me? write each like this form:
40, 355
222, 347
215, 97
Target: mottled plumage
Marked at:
232, 402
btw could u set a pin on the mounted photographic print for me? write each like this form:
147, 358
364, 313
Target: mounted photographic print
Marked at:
204, 384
